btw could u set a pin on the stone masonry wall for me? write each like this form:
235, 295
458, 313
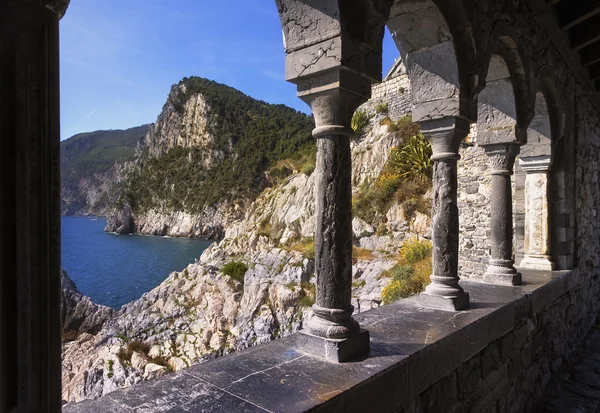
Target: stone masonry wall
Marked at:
510, 374
474, 191
395, 92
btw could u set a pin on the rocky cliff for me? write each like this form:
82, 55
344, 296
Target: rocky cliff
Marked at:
204, 159
257, 283
206, 310
79, 314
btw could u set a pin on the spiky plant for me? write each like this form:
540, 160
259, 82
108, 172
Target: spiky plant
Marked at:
413, 159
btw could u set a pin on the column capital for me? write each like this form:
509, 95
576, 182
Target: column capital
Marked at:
334, 96
57, 6
445, 136
540, 163
502, 157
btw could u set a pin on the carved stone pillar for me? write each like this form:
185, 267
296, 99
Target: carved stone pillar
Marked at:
501, 269
444, 292
537, 231
30, 345
332, 332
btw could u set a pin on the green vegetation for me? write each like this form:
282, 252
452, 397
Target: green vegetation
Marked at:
95, 152
404, 179
360, 119
411, 275
305, 246
308, 169
413, 159
235, 270
381, 108
110, 373
87, 154
414, 250
253, 136
309, 292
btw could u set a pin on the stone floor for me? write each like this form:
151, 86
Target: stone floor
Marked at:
575, 387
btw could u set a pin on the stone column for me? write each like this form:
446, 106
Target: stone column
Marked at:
501, 269
30, 307
445, 136
332, 332
537, 232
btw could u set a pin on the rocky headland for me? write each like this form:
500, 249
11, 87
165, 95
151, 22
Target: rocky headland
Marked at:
257, 283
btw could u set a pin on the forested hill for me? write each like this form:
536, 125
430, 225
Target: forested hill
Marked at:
85, 159
213, 144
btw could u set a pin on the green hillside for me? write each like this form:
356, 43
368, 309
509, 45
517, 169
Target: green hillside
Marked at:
253, 136
95, 152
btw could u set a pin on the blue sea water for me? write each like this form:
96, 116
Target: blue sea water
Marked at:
116, 269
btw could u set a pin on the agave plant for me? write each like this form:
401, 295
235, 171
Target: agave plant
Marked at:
413, 159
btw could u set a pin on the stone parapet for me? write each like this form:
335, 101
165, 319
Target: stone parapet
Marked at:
496, 357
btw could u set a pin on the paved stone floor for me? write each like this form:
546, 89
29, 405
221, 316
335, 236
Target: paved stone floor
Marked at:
575, 387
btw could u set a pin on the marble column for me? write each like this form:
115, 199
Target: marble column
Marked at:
445, 136
537, 231
501, 269
332, 332
30, 308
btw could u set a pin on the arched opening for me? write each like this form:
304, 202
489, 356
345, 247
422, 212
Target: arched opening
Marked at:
426, 46
537, 180
496, 124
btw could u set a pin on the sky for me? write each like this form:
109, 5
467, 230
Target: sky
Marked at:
119, 58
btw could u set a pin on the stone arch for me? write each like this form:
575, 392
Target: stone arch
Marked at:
435, 43
540, 184
501, 42
561, 191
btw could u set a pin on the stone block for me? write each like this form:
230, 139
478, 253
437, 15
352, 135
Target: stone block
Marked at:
337, 350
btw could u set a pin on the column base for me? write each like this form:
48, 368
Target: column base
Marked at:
502, 272
334, 349
537, 262
458, 303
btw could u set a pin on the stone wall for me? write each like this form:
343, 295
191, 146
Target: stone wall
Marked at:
394, 91
509, 375
474, 190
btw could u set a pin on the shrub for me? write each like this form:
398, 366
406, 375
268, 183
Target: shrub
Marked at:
407, 280
362, 253
308, 169
305, 246
235, 270
413, 159
414, 251
381, 108
110, 369
402, 272
310, 292
360, 119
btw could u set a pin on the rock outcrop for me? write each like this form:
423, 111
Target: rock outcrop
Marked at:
213, 307
79, 314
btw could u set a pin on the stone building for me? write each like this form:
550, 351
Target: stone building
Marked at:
523, 73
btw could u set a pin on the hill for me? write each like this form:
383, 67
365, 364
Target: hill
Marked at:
87, 160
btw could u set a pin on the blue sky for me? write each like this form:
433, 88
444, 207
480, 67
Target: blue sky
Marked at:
119, 58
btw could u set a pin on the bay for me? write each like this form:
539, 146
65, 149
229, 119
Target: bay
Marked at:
116, 269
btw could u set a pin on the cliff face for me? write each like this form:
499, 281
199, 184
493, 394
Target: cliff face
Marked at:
204, 159
79, 314
257, 283
203, 311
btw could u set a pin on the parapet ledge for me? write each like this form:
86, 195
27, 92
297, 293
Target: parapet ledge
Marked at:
411, 348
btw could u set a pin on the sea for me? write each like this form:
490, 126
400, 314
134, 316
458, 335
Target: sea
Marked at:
116, 269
